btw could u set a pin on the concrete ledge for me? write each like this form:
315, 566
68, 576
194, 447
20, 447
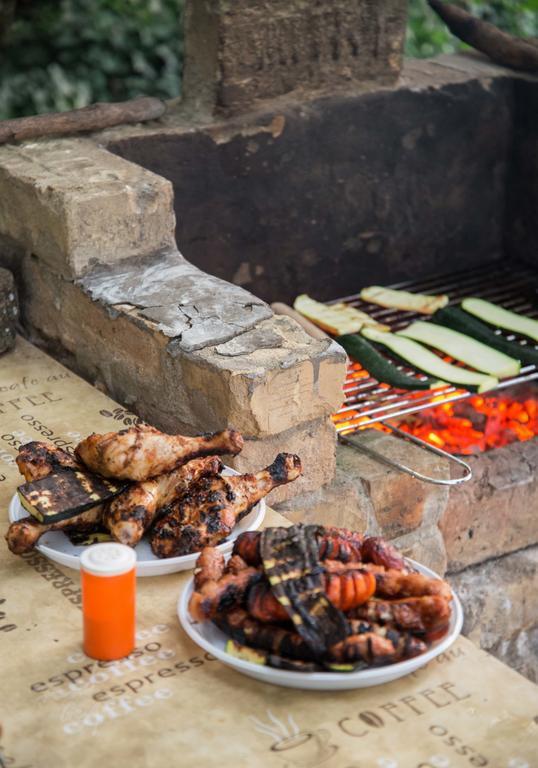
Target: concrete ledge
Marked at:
495, 513
500, 602
76, 205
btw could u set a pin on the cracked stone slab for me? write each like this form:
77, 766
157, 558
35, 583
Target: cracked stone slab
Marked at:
193, 308
251, 341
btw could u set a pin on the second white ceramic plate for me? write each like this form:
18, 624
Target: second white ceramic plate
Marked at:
210, 638
57, 547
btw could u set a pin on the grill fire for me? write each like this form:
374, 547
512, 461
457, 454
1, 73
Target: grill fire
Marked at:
477, 424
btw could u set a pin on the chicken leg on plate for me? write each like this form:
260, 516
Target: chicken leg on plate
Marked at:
141, 452
37, 460
23, 535
131, 514
206, 515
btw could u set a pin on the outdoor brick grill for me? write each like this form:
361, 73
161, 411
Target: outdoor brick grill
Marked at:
278, 185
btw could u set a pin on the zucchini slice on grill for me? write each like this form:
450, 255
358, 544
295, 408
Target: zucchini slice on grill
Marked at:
456, 318
290, 558
501, 318
379, 367
464, 348
421, 358
410, 302
66, 494
335, 318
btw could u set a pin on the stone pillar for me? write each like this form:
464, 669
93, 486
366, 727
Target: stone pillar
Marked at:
241, 51
8, 310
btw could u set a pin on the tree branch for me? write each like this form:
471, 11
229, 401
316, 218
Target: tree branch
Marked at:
502, 48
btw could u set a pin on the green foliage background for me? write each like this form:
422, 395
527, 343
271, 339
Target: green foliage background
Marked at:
427, 35
62, 54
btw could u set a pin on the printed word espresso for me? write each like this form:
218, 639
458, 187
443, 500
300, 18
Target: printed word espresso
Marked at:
99, 672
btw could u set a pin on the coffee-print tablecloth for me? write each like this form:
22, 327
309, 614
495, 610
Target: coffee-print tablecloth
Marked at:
172, 704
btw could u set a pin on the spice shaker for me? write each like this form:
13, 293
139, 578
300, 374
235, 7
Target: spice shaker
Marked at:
108, 576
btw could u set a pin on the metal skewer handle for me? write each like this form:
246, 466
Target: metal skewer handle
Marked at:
355, 443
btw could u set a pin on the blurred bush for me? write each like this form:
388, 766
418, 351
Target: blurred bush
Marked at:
62, 54
427, 35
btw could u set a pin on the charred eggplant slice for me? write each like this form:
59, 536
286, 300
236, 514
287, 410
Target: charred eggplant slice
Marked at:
290, 558
66, 494
264, 658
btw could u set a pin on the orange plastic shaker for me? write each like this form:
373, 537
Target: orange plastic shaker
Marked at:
108, 576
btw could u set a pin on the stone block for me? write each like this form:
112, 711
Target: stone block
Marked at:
314, 443
500, 602
341, 503
76, 205
495, 512
9, 310
400, 503
236, 53
426, 546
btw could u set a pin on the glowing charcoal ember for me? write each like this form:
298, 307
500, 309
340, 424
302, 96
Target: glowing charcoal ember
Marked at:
476, 424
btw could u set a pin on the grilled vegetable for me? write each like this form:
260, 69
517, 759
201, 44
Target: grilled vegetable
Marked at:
344, 591
412, 302
241, 627
263, 658
421, 358
456, 318
335, 318
379, 367
66, 494
463, 348
243, 652
340, 667
290, 559
81, 539
501, 318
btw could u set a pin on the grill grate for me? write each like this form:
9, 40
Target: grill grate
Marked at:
367, 401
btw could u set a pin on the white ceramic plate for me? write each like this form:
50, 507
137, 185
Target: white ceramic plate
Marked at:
56, 546
207, 636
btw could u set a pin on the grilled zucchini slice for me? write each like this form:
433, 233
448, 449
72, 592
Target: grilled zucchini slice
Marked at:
421, 358
456, 318
66, 494
464, 348
411, 302
501, 318
379, 367
336, 319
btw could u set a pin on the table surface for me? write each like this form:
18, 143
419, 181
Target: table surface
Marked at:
170, 703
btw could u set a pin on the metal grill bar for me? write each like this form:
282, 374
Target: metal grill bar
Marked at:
367, 401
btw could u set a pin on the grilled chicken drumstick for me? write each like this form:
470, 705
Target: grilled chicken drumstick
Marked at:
141, 452
39, 459
131, 514
206, 515
23, 535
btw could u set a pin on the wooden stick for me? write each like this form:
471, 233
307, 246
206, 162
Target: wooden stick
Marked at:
502, 48
92, 118
283, 309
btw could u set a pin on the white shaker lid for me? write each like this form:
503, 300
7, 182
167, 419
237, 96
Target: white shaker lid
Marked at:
108, 559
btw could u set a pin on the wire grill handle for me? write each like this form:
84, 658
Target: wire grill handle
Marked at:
358, 446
